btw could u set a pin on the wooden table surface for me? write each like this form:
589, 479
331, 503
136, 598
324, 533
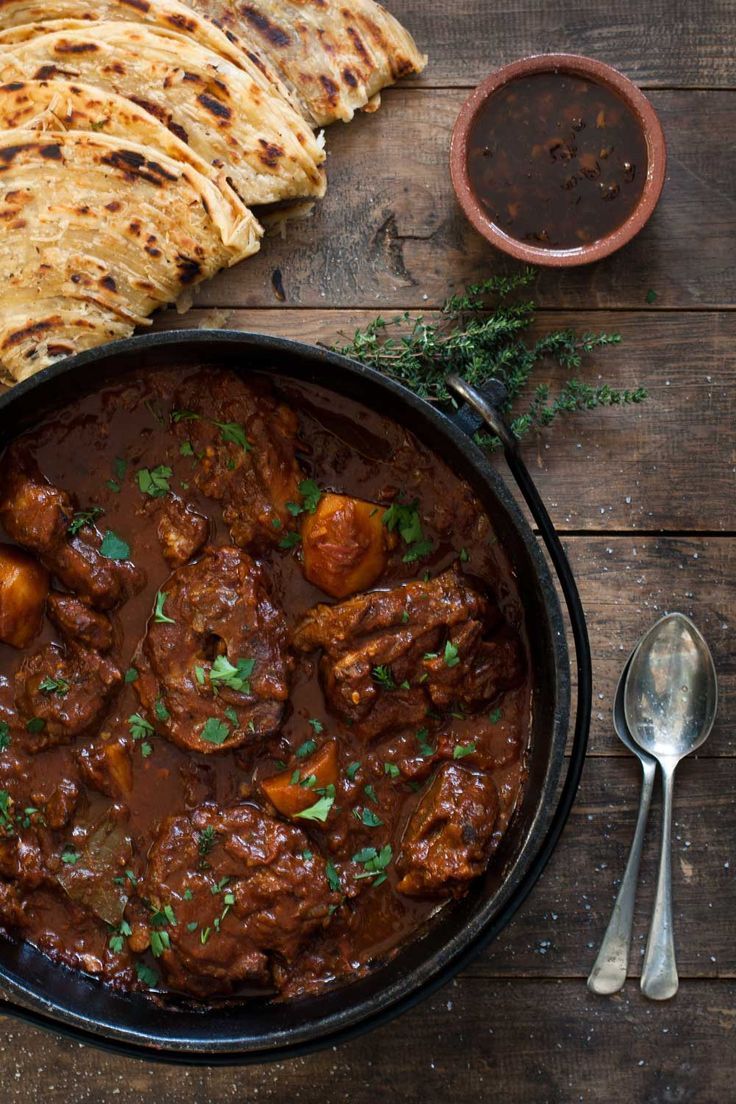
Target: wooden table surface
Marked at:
646, 502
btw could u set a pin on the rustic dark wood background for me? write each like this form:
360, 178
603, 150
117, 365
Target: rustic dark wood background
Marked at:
646, 502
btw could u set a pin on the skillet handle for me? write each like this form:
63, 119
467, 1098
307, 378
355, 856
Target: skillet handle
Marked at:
486, 408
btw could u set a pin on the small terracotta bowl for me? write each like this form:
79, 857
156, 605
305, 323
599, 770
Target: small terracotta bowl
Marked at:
595, 71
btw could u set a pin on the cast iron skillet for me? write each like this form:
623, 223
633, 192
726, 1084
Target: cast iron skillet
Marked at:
73, 1004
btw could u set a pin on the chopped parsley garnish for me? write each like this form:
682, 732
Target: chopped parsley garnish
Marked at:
320, 810
70, 856
307, 748
405, 518
495, 716
404, 617
188, 894
6, 819
50, 685
464, 555
146, 975
223, 673
232, 716
451, 656
309, 781
371, 794
215, 731
369, 818
120, 467
291, 540
352, 770
154, 482
333, 878
158, 614
316, 725
146, 749
391, 770
186, 448
116, 942
219, 886
233, 434
199, 674
374, 863
184, 416
160, 942
161, 711
192, 925
84, 517
114, 547
131, 675
383, 675
112, 485
310, 495
4, 736
425, 748
307, 855
461, 750
36, 724
139, 726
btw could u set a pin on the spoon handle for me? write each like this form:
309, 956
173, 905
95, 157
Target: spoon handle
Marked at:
609, 970
659, 979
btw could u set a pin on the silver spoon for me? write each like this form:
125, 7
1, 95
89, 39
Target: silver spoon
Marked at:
670, 703
611, 966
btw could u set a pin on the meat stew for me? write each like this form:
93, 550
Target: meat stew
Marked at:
278, 709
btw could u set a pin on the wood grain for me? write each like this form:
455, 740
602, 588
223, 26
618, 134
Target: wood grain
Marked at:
523, 1042
686, 43
668, 464
390, 234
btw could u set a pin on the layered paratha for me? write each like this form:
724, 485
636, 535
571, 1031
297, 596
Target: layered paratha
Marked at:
167, 15
335, 55
250, 132
97, 233
68, 105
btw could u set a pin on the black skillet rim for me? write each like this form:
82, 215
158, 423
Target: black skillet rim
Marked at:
541, 839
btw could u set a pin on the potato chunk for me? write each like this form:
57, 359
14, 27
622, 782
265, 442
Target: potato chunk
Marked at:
24, 585
345, 545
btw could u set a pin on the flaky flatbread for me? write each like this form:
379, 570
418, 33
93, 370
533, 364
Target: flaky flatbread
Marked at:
97, 233
335, 55
68, 105
167, 15
250, 132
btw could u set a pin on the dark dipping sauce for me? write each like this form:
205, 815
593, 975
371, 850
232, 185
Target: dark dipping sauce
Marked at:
158, 866
556, 160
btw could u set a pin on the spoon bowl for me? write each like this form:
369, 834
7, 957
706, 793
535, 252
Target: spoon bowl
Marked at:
670, 704
671, 696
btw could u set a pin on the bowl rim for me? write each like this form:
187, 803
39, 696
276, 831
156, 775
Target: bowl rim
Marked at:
600, 73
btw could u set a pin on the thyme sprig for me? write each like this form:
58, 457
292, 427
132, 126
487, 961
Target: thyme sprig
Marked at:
481, 336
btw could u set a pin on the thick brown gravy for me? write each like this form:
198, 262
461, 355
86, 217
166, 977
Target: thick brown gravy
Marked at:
94, 449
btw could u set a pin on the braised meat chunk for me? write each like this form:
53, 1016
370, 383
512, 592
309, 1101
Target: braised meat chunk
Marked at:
182, 532
390, 656
214, 665
449, 838
246, 442
79, 623
245, 891
63, 691
38, 516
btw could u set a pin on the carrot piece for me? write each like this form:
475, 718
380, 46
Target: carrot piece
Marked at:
291, 797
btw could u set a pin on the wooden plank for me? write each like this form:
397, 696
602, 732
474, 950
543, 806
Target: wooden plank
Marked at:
626, 585
390, 234
546, 1042
676, 44
667, 464
558, 930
